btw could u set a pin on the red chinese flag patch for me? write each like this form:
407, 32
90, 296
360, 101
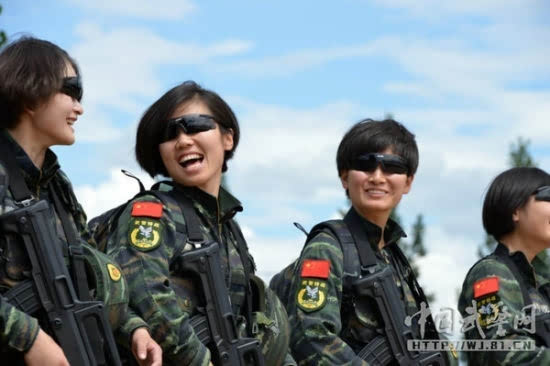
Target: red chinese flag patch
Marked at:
485, 286
316, 268
147, 209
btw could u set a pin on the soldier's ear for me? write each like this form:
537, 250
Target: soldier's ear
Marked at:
515, 216
344, 179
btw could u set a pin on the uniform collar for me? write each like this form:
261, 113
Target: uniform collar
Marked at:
520, 260
541, 264
33, 176
225, 206
392, 231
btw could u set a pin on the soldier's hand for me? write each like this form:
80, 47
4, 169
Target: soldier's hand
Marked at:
146, 351
44, 351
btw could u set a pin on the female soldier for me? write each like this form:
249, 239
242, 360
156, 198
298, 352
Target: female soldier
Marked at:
40, 94
188, 135
505, 295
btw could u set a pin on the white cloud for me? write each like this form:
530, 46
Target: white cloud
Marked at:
144, 9
118, 189
120, 67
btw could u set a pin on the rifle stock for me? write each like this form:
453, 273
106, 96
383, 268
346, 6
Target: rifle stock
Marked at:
80, 327
381, 287
217, 326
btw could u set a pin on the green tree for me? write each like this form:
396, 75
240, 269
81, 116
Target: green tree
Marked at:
414, 249
3, 37
519, 156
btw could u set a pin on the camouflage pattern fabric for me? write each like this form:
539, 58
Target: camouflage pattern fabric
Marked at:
492, 315
145, 244
17, 329
335, 332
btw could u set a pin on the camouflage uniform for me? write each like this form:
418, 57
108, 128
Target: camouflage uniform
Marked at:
167, 301
17, 329
490, 307
334, 332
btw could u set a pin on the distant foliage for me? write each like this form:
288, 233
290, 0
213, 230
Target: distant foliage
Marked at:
3, 37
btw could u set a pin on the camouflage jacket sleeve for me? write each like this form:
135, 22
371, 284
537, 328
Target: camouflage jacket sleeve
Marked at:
493, 316
146, 270
315, 332
131, 320
17, 329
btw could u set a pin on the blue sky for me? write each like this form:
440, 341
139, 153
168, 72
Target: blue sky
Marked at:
466, 77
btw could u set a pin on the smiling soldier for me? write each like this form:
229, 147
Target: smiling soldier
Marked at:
332, 322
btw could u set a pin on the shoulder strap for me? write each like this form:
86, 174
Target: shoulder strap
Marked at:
367, 256
76, 253
192, 222
352, 240
194, 235
23, 195
17, 185
501, 253
344, 238
248, 269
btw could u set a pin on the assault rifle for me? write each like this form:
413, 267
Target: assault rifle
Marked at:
80, 327
381, 287
216, 328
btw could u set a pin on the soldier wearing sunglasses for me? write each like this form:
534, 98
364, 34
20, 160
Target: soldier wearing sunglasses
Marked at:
331, 323
189, 134
40, 103
508, 291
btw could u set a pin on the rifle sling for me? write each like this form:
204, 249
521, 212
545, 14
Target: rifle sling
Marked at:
194, 235
17, 185
76, 254
21, 193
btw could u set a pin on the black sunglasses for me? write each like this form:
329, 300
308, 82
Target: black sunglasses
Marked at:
542, 193
72, 86
390, 164
189, 124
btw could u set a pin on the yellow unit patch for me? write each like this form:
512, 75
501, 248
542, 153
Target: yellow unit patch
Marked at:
488, 310
144, 234
311, 295
114, 273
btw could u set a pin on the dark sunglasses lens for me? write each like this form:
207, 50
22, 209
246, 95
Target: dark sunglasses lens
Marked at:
199, 124
543, 194
388, 163
393, 167
188, 124
72, 87
171, 131
365, 164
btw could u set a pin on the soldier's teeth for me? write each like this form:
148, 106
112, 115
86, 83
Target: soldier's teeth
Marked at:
190, 157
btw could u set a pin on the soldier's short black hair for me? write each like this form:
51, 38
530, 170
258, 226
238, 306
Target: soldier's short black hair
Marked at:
31, 71
508, 192
371, 136
153, 122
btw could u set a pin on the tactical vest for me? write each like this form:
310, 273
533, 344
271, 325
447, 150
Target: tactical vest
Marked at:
90, 270
354, 244
542, 322
265, 320
101, 227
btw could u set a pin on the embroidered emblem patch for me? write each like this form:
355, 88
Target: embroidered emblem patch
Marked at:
485, 286
316, 268
312, 294
147, 209
114, 273
488, 310
144, 234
